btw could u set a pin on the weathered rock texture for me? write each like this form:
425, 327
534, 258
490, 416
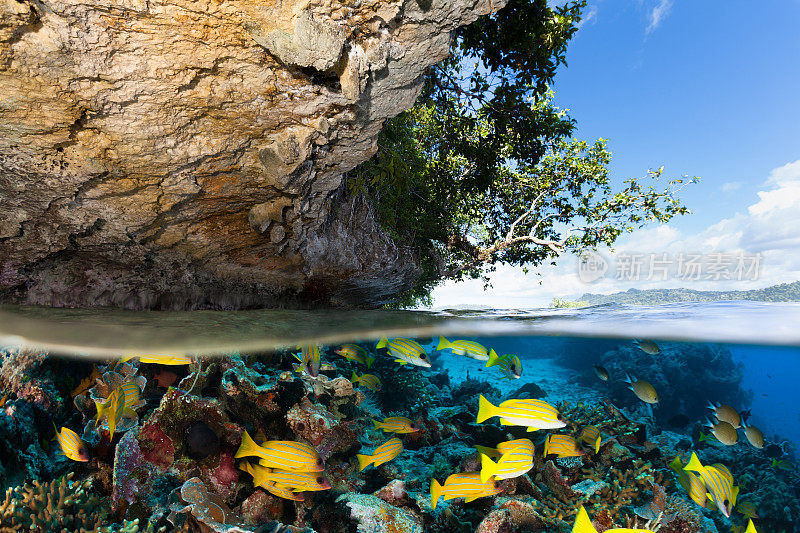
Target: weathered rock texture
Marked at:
184, 153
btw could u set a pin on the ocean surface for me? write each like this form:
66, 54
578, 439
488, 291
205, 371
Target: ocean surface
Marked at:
176, 460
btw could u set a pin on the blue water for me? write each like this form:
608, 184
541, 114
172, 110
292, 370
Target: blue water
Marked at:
773, 374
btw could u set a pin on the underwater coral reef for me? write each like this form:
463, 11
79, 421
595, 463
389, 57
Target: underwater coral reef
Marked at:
287, 442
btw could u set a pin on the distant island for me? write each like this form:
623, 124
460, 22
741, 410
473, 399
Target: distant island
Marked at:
785, 292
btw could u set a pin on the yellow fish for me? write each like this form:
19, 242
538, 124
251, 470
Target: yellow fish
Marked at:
726, 413
591, 436
382, 454
309, 358
562, 445
292, 479
754, 436
281, 492
86, 383
370, 381
584, 525
535, 414
71, 444
719, 483
750, 528
470, 349
396, 424
282, 454
112, 410
354, 352
161, 359
505, 447
748, 509
509, 365
690, 481
465, 485
642, 389
131, 394
406, 351
513, 463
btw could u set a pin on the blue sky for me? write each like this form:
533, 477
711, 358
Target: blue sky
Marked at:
712, 90
703, 88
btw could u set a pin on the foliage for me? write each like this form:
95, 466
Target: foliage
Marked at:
785, 292
561, 303
482, 169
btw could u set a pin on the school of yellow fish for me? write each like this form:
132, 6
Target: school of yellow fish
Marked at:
288, 468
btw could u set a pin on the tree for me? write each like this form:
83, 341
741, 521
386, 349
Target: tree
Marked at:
482, 170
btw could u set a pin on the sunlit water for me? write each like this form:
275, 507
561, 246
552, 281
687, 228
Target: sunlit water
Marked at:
744, 354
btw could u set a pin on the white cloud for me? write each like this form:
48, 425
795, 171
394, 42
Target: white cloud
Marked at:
658, 14
770, 227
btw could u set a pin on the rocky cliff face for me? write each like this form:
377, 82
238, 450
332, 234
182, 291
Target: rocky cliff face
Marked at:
184, 153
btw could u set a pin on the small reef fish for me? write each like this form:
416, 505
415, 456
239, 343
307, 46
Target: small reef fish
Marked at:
382, 454
723, 432
131, 393
591, 436
173, 360
406, 351
690, 481
781, 464
396, 424
562, 445
369, 381
309, 358
719, 483
509, 365
71, 445
471, 349
648, 347
356, 353
642, 389
748, 509
505, 447
726, 413
750, 527
86, 383
535, 414
513, 463
601, 372
292, 479
465, 485
281, 454
281, 492
112, 410
584, 525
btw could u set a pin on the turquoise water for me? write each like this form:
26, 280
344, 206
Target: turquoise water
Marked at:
177, 459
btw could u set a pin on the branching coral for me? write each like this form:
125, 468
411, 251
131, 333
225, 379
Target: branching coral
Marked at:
60, 505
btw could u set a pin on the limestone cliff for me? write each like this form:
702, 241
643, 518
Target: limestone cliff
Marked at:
188, 153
